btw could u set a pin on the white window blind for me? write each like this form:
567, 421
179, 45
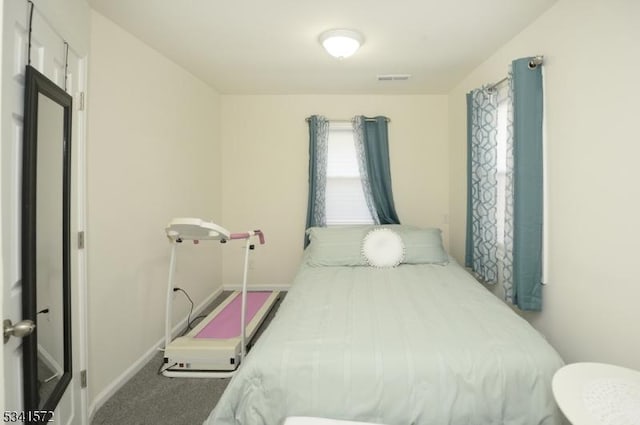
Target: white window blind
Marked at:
345, 202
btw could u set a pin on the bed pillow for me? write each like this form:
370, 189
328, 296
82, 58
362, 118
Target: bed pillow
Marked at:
383, 248
423, 246
342, 245
336, 246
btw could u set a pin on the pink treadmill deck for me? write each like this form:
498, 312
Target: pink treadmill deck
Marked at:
226, 324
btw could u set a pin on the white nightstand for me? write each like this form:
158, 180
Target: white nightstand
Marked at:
306, 420
598, 394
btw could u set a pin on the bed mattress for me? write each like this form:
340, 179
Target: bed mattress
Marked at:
415, 344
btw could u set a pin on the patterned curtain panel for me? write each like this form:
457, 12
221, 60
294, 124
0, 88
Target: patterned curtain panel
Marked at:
482, 185
318, 150
358, 136
527, 185
507, 259
375, 140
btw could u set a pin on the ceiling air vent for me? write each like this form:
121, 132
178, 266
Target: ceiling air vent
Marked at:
394, 77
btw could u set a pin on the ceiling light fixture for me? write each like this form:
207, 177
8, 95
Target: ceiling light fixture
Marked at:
341, 43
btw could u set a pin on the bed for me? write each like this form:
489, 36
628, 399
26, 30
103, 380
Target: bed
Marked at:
422, 343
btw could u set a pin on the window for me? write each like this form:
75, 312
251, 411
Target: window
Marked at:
345, 202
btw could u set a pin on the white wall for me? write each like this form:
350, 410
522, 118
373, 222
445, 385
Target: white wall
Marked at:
592, 89
153, 154
265, 169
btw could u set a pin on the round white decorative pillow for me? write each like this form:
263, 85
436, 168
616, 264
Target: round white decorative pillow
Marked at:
383, 248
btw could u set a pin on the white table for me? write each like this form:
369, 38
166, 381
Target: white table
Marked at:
598, 394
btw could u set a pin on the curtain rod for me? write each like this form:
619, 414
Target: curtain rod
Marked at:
497, 83
533, 64
366, 119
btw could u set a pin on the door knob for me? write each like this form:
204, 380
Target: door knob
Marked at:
19, 330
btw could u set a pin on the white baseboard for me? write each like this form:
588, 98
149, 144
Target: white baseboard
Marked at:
238, 287
112, 388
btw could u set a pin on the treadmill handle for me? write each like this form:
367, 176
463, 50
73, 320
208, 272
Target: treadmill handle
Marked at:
247, 235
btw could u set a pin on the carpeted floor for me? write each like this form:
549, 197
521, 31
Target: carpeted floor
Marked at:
152, 399
149, 398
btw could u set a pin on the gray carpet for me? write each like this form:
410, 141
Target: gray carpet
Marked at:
152, 399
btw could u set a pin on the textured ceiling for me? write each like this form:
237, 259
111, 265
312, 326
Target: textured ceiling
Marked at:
271, 47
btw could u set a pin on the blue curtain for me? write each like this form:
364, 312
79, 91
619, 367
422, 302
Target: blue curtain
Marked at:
318, 149
358, 139
481, 251
376, 152
527, 184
